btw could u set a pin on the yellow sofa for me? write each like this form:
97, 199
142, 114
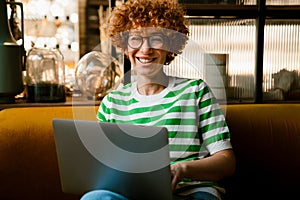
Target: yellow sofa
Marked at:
265, 137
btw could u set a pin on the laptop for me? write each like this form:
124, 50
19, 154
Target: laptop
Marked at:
131, 160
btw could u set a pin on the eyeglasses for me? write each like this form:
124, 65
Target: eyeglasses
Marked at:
154, 41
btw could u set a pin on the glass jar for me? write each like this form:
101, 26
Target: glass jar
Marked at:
45, 75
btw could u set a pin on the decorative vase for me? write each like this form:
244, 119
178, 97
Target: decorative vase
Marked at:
96, 74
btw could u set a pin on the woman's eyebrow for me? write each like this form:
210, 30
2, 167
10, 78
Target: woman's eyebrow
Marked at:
145, 33
157, 33
135, 32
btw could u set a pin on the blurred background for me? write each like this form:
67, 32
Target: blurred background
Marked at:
254, 45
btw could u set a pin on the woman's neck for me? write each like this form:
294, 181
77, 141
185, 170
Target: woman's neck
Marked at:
151, 86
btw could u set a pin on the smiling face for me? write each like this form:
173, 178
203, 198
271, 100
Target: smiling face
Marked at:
146, 49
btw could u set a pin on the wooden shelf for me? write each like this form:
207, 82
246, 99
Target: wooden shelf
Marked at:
242, 11
97, 2
92, 24
249, 11
283, 12
71, 101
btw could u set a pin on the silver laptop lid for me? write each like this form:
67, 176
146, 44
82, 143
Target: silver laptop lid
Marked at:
128, 159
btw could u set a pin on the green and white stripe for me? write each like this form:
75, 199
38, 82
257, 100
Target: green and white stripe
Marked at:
186, 107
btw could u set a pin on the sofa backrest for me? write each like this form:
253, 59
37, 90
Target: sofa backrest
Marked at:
266, 141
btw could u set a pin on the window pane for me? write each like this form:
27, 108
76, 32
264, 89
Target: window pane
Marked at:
282, 2
229, 43
282, 60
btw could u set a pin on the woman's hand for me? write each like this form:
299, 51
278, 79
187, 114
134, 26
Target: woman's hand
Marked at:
177, 173
212, 168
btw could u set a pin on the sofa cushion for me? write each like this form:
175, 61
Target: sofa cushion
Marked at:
28, 163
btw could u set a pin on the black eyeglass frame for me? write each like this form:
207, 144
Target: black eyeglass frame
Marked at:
164, 41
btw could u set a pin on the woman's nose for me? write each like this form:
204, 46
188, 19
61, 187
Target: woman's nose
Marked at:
145, 46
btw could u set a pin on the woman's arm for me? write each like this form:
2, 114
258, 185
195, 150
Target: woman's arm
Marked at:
212, 168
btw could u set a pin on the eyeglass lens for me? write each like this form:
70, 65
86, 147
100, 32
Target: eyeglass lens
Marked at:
154, 41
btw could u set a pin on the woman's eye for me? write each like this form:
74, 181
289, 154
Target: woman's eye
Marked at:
135, 38
157, 39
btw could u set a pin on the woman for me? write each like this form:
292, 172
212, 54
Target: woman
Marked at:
152, 33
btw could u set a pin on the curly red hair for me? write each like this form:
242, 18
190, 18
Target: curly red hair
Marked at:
165, 14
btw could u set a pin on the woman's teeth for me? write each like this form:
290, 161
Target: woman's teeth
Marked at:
142, 60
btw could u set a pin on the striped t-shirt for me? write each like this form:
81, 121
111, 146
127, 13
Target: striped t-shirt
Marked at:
187, 108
